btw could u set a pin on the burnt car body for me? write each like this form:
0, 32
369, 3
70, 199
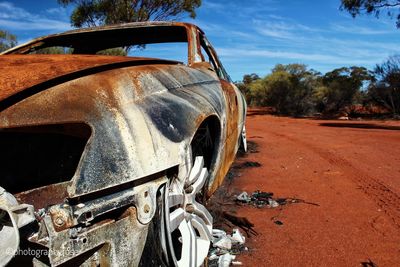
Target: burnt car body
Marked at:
106, 160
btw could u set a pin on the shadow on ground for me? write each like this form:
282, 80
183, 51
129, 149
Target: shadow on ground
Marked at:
360, 126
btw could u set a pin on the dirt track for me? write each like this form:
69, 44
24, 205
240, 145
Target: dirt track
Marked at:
351, 169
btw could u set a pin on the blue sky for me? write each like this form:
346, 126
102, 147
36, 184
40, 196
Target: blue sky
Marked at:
251, 36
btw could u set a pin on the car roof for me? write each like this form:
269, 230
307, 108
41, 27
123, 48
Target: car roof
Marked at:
118, 35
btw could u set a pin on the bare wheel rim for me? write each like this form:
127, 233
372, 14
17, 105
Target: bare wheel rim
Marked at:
244, 139
188, 223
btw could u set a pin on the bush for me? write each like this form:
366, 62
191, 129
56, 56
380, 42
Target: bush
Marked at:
288, 89
385, 91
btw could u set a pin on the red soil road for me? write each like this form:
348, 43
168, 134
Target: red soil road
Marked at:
350, 168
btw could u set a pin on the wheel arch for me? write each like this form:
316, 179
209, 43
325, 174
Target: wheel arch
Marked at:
207, 142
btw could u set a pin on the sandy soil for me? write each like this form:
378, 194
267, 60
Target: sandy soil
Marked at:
351, 169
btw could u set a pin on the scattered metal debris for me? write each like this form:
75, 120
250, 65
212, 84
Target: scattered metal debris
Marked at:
244, 197
273, 203
261, 199
237, 237
223, 243
225, 248
226, 260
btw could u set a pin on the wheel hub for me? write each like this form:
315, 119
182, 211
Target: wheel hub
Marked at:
189, 224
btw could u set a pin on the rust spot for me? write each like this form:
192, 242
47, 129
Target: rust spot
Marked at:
129, 212
43, 197
232, 135
228, 157
61, 218
104, 255
18, 72
135, 76
199, 120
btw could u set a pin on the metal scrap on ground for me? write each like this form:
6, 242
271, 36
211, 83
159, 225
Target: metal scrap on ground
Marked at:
225, 247
265, 199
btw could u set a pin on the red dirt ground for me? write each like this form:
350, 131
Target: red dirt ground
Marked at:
350, 168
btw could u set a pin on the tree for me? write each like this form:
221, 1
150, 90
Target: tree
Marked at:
357, 7
244, 85
341, 87
386, 90
118, 51
53, 50
249, 78
288, 89
258, 92
291, 89
7, 40
279, 91
104, 12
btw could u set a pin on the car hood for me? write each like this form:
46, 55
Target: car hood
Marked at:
19, 72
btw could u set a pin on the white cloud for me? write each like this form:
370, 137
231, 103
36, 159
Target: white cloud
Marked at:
9, 11
211, 5
253, 34
282, 28
276, 17
241, 34
354, 47
289, 40
357, 29
295, 56
58, 12
275, 33
314, 51
16, 18
233, 9
39, 24
274, 29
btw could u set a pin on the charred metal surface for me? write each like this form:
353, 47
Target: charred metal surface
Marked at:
142, 114
119, 114
117, 242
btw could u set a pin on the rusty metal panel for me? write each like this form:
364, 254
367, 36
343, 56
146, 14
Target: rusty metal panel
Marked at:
20, 72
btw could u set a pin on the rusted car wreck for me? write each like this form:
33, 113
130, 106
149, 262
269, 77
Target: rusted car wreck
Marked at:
106, 160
